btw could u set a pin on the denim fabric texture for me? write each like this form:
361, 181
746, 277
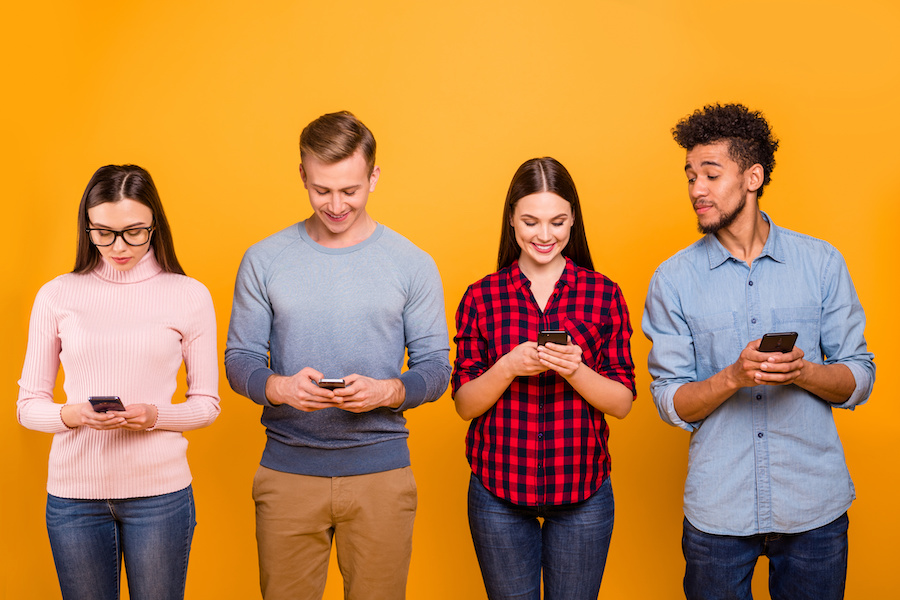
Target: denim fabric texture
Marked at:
768, 459
803, 566
90, 537
514, 547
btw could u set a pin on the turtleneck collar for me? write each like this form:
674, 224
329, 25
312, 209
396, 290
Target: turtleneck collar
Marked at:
146, 268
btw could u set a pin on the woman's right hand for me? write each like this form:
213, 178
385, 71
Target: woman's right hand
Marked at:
478, 395
83, 414
523, 361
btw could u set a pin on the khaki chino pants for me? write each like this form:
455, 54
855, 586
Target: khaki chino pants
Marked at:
370, 518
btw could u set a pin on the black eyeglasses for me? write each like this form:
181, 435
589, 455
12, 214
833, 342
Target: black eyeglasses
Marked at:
136, 236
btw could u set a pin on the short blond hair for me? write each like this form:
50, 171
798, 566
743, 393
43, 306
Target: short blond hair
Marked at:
333, 137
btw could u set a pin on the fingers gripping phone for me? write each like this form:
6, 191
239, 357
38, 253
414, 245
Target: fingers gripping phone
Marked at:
331, 384
555, 337
102, 404
778, 342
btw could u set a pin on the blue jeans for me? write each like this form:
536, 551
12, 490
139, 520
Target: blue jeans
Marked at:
513, 547
803, 566
89, 538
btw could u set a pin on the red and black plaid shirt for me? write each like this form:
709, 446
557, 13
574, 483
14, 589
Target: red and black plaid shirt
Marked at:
541, 443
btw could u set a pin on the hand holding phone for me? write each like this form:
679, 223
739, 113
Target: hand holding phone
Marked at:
778, 342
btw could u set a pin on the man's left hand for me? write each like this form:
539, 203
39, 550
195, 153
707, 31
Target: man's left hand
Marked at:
363, 394
780, 368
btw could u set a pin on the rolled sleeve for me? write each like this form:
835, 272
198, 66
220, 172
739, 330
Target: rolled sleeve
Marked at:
671, 361
843, 330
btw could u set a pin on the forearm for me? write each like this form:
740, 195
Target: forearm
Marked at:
696, 400
476, 396
608, 396
833, 383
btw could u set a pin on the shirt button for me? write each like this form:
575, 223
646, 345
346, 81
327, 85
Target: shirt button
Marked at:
540, 436
753, 321
751, 283
759, 396
760, 434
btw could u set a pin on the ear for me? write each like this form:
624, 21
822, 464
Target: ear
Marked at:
755, 176
373, 178
303, 176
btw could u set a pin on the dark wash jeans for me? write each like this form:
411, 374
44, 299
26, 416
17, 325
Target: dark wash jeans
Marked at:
89, 538
513, 547
803, 566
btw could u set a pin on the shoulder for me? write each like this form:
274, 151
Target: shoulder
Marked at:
404, 255
595, 279
399, 243
267, 250
800, 242
687, 259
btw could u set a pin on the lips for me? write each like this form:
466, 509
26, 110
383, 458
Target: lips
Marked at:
337, 218
543, 248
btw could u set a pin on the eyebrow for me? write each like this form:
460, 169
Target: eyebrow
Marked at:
705, 163
559, 216
325, 187
132, 226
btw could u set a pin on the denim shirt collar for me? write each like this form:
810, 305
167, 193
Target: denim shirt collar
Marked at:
717, 253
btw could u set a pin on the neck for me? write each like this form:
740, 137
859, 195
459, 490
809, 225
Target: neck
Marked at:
542, 273
359, 232
745, 238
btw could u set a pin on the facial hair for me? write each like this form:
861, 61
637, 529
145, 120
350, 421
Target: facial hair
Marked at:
725, 220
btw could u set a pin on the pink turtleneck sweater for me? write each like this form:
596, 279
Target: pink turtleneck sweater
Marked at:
120, 334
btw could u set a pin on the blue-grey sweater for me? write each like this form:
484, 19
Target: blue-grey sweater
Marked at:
340, 311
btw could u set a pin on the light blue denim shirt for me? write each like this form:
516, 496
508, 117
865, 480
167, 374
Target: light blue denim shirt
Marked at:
768, 459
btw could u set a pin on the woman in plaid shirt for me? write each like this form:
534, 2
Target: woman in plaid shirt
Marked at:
539, 495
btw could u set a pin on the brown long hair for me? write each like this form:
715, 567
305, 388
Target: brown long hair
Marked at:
535, 176
113, 183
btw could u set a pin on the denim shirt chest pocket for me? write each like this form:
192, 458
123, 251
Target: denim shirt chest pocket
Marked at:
715, 339
806, 321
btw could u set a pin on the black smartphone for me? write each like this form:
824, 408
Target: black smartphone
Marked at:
106, 403
778, 342
556, 337
331, 384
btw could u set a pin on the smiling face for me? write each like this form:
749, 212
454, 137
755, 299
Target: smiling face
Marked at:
338, 193
542, 224
120, 216
718, 188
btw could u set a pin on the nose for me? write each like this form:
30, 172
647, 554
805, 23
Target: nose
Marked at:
697, 190
336, 203
544, 233
119, 243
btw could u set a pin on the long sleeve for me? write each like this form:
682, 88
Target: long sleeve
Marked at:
120, 334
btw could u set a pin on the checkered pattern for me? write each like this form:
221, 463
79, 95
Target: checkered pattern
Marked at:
541, 443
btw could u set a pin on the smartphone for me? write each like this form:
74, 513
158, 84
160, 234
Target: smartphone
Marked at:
106, 403
556, 337
331, 384
778, 342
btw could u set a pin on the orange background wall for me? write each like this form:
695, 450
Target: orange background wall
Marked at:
210, 98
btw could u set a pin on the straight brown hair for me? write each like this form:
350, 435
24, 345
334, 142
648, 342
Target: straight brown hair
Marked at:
535, 176
113, 183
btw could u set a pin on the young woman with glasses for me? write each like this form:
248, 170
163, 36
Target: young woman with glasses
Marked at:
540, 498
121, 324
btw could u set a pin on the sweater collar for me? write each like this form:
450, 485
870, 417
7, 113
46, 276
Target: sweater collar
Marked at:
146, 268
